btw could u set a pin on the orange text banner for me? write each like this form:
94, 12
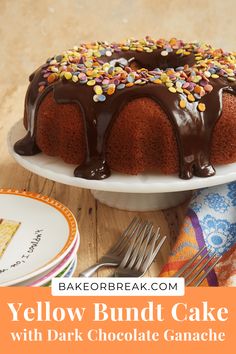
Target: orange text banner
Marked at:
33, 321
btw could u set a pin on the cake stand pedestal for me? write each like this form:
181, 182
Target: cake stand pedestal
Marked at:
141, 201
143, 192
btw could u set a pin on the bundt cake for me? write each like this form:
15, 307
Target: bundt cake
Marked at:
133, 107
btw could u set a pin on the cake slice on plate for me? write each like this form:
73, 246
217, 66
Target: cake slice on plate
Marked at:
8, 229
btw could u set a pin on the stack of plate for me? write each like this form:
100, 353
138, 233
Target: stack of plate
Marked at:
39, 239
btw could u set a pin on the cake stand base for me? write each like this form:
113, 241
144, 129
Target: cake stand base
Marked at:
141, 201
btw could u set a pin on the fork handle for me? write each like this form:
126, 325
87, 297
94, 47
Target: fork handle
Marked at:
92, 269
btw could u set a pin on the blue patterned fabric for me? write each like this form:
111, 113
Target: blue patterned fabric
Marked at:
215, 208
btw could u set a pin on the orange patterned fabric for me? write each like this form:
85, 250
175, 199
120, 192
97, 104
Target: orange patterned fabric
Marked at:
226, 269
187, 246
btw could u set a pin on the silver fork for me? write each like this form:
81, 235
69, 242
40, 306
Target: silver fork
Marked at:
115, 254
138, 259
191, 270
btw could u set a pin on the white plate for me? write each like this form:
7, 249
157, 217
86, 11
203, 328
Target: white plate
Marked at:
55, 271
47, 233
55, 169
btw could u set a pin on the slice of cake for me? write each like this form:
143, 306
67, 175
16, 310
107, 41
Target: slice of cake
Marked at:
8, 229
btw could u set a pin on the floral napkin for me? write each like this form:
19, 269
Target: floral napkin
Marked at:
210, 221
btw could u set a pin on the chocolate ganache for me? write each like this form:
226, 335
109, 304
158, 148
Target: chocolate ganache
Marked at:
186, 79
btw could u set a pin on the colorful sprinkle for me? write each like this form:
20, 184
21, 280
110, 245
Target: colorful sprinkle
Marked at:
95, 98
101, 98
98, 89
172, 89
198, 89
68, 75
179, 90
131, 77
75, 78
164, 53
182, 104
111, 89
157, 81
191, 98
207, 74
178, 84
208, 88
201, 107
121, 86
91, 82
52, 77
90, 64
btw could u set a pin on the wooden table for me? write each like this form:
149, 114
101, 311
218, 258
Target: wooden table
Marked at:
99, 225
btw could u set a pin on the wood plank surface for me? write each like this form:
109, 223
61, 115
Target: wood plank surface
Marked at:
99, 225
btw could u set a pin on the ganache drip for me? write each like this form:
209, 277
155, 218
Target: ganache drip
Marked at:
193, 106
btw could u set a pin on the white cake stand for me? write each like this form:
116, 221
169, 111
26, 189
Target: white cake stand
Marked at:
143, 192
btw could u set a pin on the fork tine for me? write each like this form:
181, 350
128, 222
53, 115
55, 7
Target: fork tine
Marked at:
141, 252
147, 255
188, 264
157, 249
132, 244
145, 246
124, 245
151, 255
138, 245
195, 275
200, 280
195, 266
126, 235
150, 247
139, 255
